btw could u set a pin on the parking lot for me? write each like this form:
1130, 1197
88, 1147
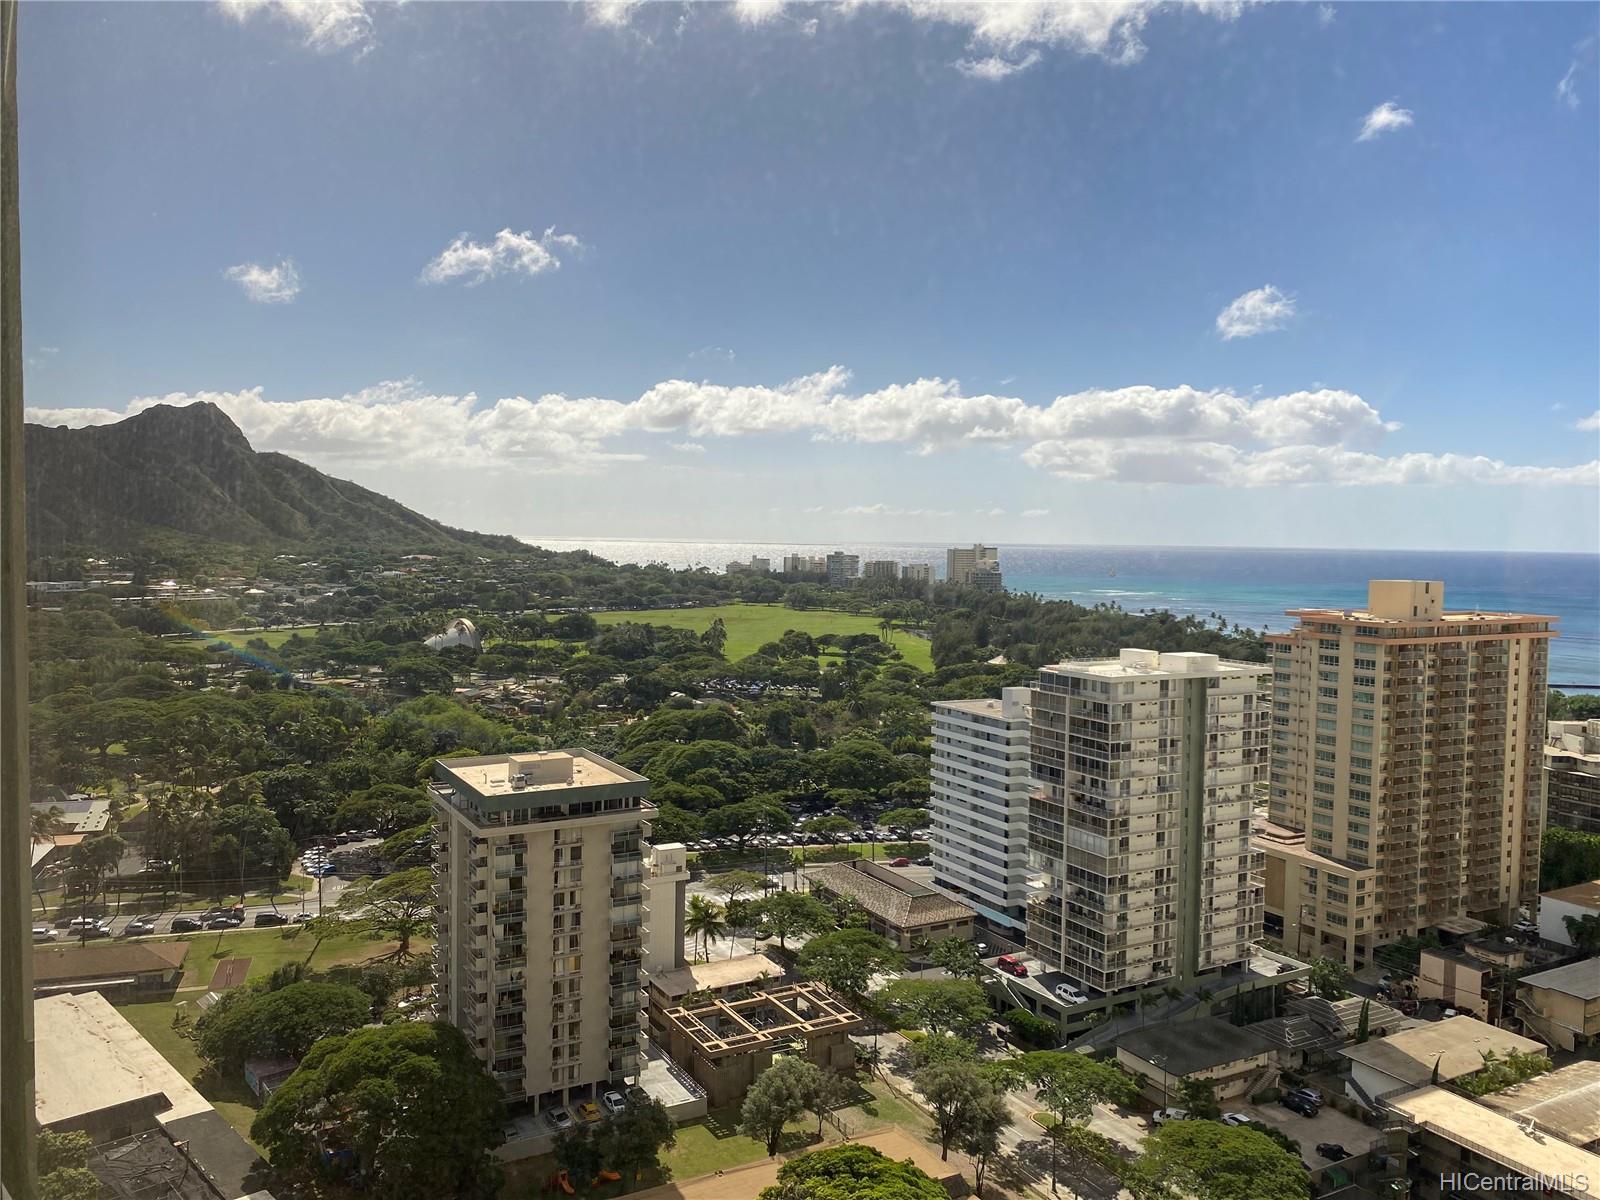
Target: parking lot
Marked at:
1328, 1125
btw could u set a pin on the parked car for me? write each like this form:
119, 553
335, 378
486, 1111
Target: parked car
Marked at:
228, 922
1162, 1115
271, 918
1232, 1118
139, 927
304, 918
561, 1118
78, 923
43, 933
1310, 1093
1068, 994
589, 1111
924, 862
1300, 1104
1332, 1151
900, 862
614, 1102
1011, 966
186, 924
94, 931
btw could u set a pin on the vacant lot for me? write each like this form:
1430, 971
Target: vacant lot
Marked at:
750, 626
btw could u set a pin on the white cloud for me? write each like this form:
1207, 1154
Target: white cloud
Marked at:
509, 253
994, 67
1386, 118
1325, 15
1139, 434
1583, 57
327, 25
719, 354
1036, 512
277, 284
890, 510
1589, 424
989, 512
615, 14
1260, 311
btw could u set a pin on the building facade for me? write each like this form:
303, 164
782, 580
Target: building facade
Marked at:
842, 569
1139, 828
1407, 748
917, 573
979, 804
973, 566
539, 865
880, 568
1572, 775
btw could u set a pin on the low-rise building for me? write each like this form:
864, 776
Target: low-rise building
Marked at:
1572, 775
1564, 1102
1237, 1060
1577, 902
1471, 978
725, 1044
1562, 1005
117, 970
1434, 1052
715, 980
904, 911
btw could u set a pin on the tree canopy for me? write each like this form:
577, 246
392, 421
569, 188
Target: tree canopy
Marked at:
247, 1024
1207, 1160
852, 1172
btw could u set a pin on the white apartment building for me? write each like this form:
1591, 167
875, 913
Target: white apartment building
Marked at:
539, 866
1572, 775
880, 568
759, 565
979, 807
1139, 828
975, 566
842, 568
917, 573
804, 564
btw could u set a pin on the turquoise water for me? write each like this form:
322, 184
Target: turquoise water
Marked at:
1248, 587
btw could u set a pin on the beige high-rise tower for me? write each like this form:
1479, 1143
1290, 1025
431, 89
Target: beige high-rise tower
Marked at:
1406, 756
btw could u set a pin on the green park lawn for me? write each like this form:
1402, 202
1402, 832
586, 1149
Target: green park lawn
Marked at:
750, 626
272, 637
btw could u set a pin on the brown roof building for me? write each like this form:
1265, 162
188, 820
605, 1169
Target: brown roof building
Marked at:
113, 969
898, 908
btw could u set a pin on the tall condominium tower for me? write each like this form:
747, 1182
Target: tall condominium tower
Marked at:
975, 566
842, 569
1140, 825
979, 807
1407, 748
539, 863
1572, 775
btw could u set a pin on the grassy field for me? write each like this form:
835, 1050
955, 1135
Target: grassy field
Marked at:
752, 625
272, 637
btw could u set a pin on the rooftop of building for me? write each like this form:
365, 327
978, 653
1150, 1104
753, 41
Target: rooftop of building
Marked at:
104, 961
1579, 740
1584, 895
1184, 1047
1291, 843
1455, 1045
1494, 1135
87, 1057
715, 975
1565, 1102
982, 708
1157, 664
159, 1163
889, 896
783, 1014
1579, 979
534, 773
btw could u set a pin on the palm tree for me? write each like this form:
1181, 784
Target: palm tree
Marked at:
47, 823
703, 920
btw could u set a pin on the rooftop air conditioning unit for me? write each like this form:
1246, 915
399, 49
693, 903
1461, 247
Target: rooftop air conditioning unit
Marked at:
519, 781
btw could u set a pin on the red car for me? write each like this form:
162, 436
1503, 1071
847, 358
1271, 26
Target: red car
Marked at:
900, 862
1011, 966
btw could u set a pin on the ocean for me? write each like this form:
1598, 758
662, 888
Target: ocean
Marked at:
1248, 587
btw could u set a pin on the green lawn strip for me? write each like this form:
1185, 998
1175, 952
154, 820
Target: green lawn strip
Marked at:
268, 949
272, 637
750, 626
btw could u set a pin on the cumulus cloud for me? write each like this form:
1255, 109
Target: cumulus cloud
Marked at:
1036, 512
1325, 15
1260, 311
891, 510
507, 254
325, 25
994, 67
1386, 118
277, 284
1140, 434
1589, 424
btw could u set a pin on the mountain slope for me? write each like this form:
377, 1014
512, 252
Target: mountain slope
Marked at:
189, 473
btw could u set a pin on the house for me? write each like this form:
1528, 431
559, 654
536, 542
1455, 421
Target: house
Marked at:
1564, 1102
116, 970
1562, 1005
1469, 977
715, 980
725, 1044
1433, 1052
909, 914
94, 1073
1237, 1060
1578, 901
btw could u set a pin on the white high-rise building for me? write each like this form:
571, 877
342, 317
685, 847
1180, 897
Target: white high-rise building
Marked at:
917, 573
1140, 828
880, 568
539, 863
843, 569
975, 566
979, 805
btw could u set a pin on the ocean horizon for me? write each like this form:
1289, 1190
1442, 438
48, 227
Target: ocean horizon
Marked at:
1251, 587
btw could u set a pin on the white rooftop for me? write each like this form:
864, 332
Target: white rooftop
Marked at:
549, 771
1156, 664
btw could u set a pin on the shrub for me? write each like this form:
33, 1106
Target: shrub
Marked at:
1029, 1029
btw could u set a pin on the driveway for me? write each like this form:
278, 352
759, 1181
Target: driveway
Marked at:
1326, 1126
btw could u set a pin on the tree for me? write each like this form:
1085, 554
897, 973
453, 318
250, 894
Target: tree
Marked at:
779, 1095
937, 1005
632, 1141
1211, 1161
747, 818
852, 1172
702, 920
1585, 932
847, 959
1199, 1097
829, 828
63, 1166
979, 1140
45, 823
905, 821
286, 1022
795, 913
577, 1152
87, 865
674, 824
730, 885
958, 957
831, 1091
1070, 1084
398, 906
952, 1089
69, 1183
1364, 1021
410, 1101
1328, 978
1567, 857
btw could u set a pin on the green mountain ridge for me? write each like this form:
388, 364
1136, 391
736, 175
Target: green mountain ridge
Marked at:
188, 474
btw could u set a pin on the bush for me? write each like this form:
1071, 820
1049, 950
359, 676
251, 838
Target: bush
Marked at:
1029, 1029
1265, 1096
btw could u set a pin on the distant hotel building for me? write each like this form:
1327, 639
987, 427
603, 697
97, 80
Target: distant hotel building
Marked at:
756, 566
804, 564
843, 569
539, 865
917, 573
979, 806
1572, 775
1407, 760
974, 566
1140, 823
880, 568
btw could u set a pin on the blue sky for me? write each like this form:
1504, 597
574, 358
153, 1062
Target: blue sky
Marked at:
1283, 274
